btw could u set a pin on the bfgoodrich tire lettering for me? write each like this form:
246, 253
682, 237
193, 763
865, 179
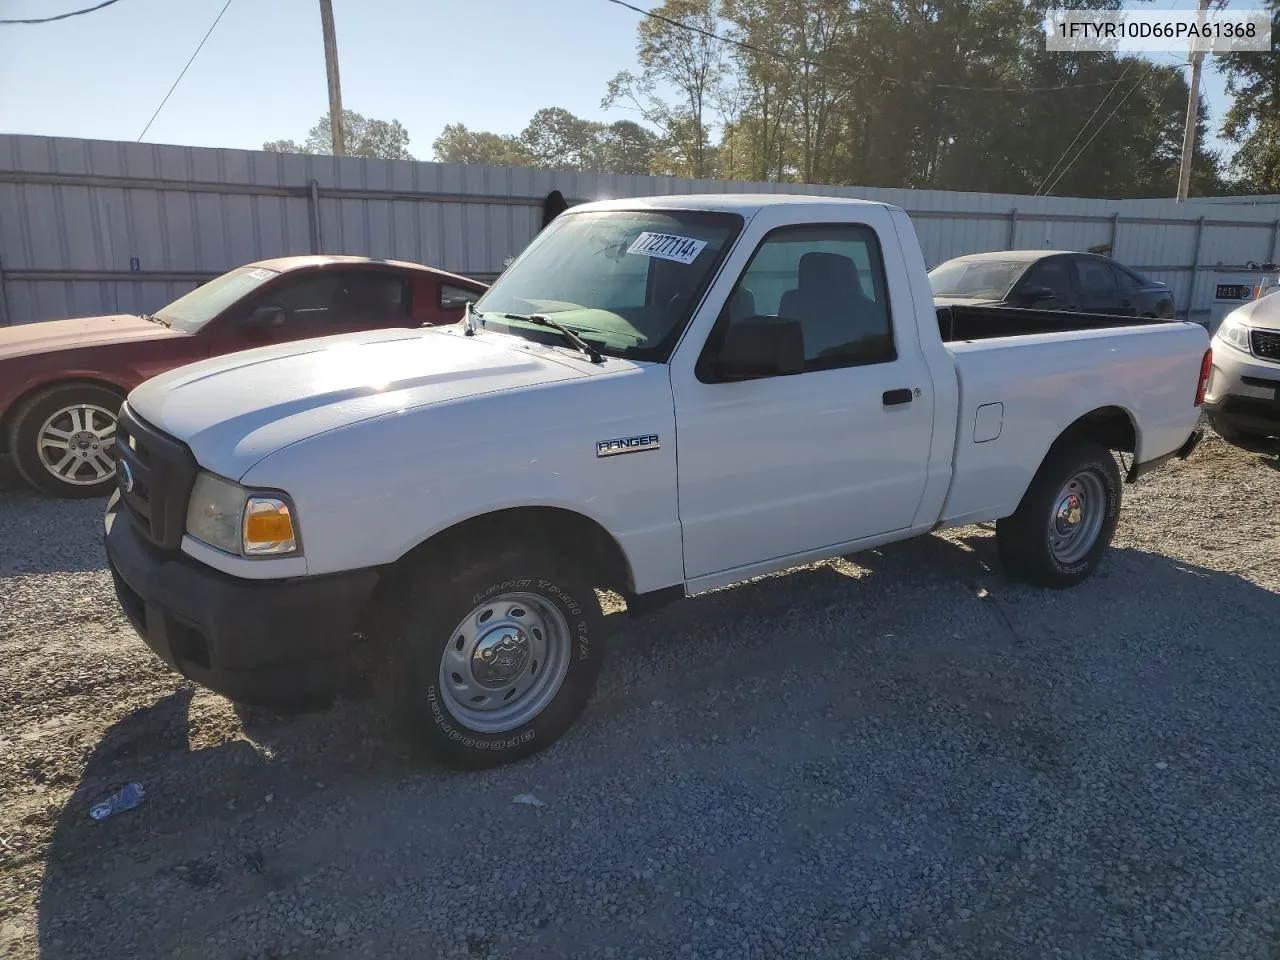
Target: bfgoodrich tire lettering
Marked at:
1066, 520
499, 656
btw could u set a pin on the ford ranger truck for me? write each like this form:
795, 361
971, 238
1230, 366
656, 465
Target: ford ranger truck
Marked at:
658, 397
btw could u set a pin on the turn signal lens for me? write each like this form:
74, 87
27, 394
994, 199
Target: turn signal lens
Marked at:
268, 527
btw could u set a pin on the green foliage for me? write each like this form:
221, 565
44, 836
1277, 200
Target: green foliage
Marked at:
362, 137
1253, 121
944, 94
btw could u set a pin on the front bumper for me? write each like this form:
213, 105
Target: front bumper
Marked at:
275, 643
1244, 392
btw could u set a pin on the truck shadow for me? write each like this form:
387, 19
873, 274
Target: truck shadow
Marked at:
211, 816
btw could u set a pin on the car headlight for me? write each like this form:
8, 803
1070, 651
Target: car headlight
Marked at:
1234, 333
225, 515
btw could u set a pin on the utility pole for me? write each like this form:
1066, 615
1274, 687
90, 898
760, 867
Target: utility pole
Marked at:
1193, 111
335, 84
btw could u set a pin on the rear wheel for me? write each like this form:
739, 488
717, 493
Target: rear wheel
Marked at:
1065, 522
63, 440
498, 657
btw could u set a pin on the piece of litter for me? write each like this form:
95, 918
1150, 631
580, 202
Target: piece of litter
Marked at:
528, 799
270, 797
1161, 765
126, 798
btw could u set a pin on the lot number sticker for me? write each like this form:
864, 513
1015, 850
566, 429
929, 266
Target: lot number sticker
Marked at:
667, 246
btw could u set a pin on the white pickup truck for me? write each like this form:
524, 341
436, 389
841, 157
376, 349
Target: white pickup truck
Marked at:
658, 397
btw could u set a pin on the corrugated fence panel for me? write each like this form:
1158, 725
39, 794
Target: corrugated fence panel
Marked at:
91, 226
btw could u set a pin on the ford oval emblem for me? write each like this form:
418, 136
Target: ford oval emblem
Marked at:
126, 475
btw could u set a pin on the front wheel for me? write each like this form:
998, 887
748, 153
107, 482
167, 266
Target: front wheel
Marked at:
63, 440
500, 656
1065, 522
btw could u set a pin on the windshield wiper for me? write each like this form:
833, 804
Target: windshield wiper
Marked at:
155, 319
542, 320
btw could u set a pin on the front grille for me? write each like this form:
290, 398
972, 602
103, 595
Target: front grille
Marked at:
155, 478
1265, 343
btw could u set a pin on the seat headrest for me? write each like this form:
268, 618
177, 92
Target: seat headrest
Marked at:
832, 271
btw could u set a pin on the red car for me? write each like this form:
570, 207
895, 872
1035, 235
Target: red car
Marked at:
62, 381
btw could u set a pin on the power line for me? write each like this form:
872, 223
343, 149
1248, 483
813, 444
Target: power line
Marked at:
1084, 126
64, 16
184, 71
782, 58
1103, 125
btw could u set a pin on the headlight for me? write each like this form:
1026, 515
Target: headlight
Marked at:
225, 515
1234, 333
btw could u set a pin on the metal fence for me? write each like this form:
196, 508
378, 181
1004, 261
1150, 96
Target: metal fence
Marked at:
90, 226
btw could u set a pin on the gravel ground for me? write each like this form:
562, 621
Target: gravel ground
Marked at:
901, 755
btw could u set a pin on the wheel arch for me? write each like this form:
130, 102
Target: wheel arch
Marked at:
565, 531
32, 390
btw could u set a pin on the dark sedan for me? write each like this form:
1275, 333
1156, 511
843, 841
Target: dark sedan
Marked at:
1050, 280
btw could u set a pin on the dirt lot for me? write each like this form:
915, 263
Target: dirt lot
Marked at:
898, 755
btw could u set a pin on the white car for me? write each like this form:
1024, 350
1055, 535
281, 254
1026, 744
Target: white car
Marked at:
1242, 402
659, 396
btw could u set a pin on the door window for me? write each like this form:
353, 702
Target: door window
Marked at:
453, 297
1096, 279
829, 278
342, 299
1054, 274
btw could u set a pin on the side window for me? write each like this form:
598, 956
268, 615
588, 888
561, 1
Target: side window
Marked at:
1054, 274
455, 298
1124, 279
1096, 278
343, 298
831, 279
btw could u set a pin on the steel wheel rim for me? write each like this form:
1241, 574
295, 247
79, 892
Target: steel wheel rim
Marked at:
77, 444
1077, 517
504, 662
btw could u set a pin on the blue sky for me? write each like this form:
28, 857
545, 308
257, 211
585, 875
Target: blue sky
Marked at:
486, 63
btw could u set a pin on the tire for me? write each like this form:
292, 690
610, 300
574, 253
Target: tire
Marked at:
447, 658
1037, 543
79, 415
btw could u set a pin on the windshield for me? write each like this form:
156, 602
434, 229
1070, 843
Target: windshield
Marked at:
191, 312
626, 281
982, 279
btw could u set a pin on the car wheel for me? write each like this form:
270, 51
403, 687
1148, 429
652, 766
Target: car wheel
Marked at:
1065, 522
498, 656
63, 440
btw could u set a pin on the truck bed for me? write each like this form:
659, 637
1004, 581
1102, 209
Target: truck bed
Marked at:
964, 323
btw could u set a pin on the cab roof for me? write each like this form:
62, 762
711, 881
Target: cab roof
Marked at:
741, 203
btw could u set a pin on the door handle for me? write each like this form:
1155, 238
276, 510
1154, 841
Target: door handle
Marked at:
894, 397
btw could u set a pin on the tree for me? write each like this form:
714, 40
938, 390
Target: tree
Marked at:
556, 139
676, 51
457, 144
627, 147
1253, 121
362, 136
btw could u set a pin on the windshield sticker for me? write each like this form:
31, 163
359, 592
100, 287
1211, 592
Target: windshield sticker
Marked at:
262, 273
667, 246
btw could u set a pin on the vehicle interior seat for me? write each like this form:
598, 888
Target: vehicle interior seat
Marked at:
829, 301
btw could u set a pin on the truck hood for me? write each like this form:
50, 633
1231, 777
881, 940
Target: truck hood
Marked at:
49, 335
233, 411
1263, 313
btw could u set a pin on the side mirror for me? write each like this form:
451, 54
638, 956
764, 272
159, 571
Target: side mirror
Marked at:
757, 347
263, 320
1035, 294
